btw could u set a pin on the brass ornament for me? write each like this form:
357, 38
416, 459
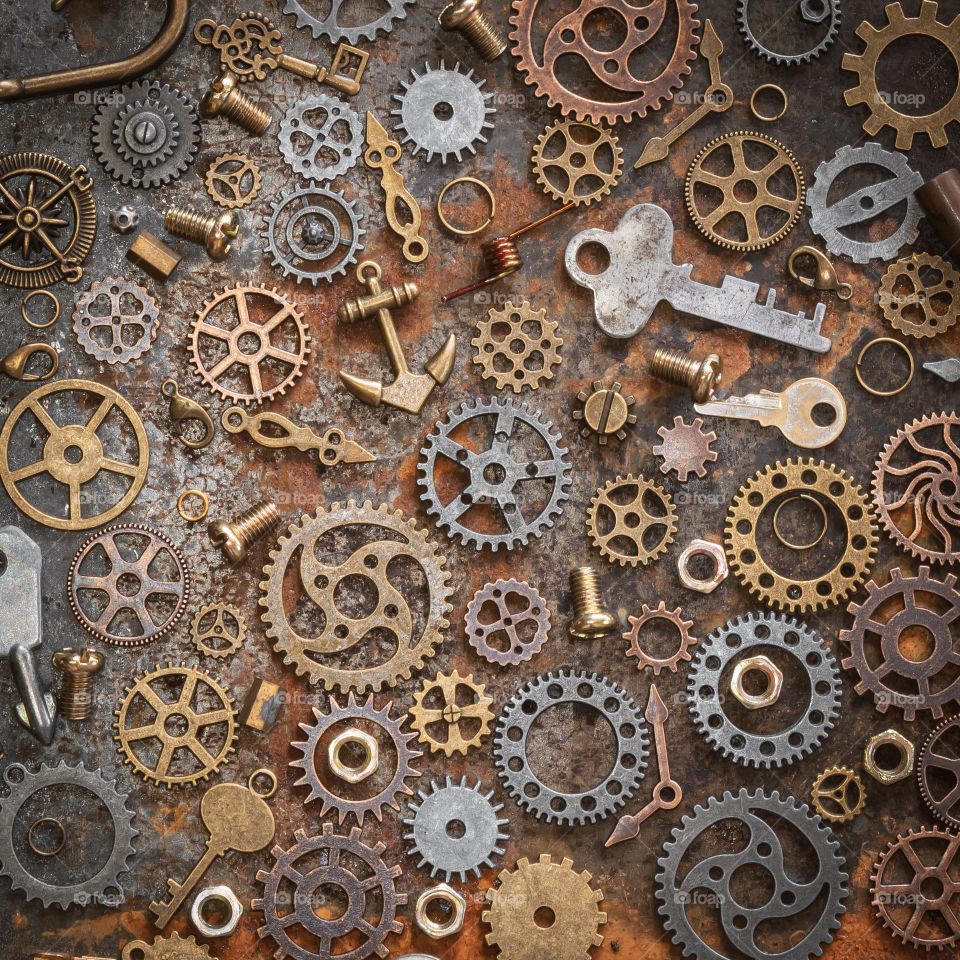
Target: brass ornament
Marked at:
631, 520
577, 162
438, 707
838, 794
920, 295
233, 180
218, 630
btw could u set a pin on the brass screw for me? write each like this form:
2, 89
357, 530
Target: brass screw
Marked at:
78, 668
701, 376
235, 537
225, 96
592, 619
215, 231
464, 16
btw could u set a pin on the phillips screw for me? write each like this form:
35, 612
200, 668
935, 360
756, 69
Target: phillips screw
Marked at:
465, 16
591, 620
78, 668
701, 376
235, 537
215, 231
225, 96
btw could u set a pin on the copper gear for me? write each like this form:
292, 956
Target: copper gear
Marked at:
577, 161
876, 42
516, 603
341, 633
685, 448
939, 762
731, 207
644, 659
173, 947
520, 893
233, 180
513, 355
916, 486
900, 888
565, 38
114, 306
899, 309
195, 740
789, 479
830, 794
218, 630
613, 525
450, 713
240, 331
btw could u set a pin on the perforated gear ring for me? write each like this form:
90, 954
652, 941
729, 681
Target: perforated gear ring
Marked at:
920, 295
316, 127
577, 162
518, 627
115, 320
517, 346
631, 520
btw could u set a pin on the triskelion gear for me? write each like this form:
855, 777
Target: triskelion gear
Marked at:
534, 888
743, 924
443, 112
345, 653
747, 636
218, 630
315, 128
173, 947
233, 180
439, 705
939, 772
496, 475
507, 622
920, 295
685, 448
115, 320
517, 346
631, 520
910, 680
478, 836
791, 59
147, 134
577, 162
866, 204
104, 884
614, 707
294, 882
838, 794
837, 493
310, 764
330, 27
644, 659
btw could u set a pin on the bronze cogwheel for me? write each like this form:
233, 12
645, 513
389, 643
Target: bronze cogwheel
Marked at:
517, 346
584, 166
838, 794
520, 623
644, 659
685, 448
631, 520
218, 630
439, 706
173, 947
939, 772
233, 180
833, 488
930, 304
116, 320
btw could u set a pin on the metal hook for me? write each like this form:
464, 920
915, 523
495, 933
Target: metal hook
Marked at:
183, 408
15, 364
826, 276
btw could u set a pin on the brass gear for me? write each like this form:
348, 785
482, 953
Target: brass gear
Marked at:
218, 630
614, 521
644, 659
709, 217
831, 486
193, 736
233, 180
520, 893
173, 947
451, 713
517, 347
685, 448
830, 794
577, 161
341, 634
915, 312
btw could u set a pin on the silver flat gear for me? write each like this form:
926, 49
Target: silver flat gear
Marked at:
104, 886
334, 31
315, 128
146, 134
495, 476
865, 204
115, 320
581, 689
474, 843
762, 849
742, 636
313, 234
831, 17
443, 112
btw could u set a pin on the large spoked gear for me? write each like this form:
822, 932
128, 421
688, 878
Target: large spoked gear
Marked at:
938, 771
711, 877
147, 134
335, 31
316, 127
764, 747
443, 112
832, 26
115, 320
920, 295
631, 520
496, 476
577, 162
584, 690
103, 885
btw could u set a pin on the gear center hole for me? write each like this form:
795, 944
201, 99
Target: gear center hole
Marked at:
176, 725
356, 596
456, 829
330, 901
73, 454
932, 888
128, 584
443, 111
544, 917
916, 643
745, 191
494, 474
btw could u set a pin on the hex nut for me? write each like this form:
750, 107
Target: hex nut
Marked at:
368, 746
758, 664
225, 895
458, 907
884, 775
703, 548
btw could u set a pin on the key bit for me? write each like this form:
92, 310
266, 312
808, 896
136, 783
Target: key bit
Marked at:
948, 369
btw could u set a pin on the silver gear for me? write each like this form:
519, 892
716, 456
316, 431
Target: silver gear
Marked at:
711, 876
865, 204
444, 852
103, 332
584, 689
460, 95
304, 144
147, 134
831, 16
104, 885
706, 700
313, 228
335, 32
510, 473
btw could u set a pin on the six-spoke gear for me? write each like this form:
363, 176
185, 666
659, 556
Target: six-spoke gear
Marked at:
631, 520
577, 162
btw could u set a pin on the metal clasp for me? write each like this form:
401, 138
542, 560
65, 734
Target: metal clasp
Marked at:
183, 408
825, 277
15, 364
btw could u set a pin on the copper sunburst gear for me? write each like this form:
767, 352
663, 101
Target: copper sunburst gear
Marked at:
645, 659
517, 346
587, 157
631, 520
437, 704
685, 448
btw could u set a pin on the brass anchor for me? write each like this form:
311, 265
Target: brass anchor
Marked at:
408, 391
183, 408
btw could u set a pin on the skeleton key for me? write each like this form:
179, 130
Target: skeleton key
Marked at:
791, 412
237, 818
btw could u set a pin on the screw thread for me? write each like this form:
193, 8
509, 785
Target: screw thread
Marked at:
483, 36
188, 224
77, 698
242, 110
673, 366
256, 522
585, 590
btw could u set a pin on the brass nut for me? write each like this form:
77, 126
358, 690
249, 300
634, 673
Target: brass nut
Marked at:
456, 904
369, 749
703, 548
153, 256
888, 775
219, 894
771, 672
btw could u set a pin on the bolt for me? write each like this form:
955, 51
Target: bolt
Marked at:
78, 669
225, 96
592, 620
235, 537
464, 16
701, 376
214, 231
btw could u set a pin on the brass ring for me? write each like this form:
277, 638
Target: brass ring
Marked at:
766, 117
26, 316
32, 843
884, 393
270, 775
197, 515
460, 231
800, 546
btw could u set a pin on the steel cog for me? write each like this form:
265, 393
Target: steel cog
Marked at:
309, 158
631, 521
91, 321
577, 160
923, 297
939, 762
792, 59
451, 713
335, 32
685, 448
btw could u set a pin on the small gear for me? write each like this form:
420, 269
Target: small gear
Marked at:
321, 137
604, 412
939, 772
443, 112
838, 794
147, 134
218, 630
517, 346
631, 520
507, 622
920, 295
588, 158
233, 180
478, 836
331, 28
439, 706
831, 15
173, 947
685, 448
115, 320
644, 659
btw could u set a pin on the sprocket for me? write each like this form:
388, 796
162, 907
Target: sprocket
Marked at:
685, 448
507, 622
645, 659
233, 180
115, 320
930, 303
439, 706
331, 28
938, 771
316, 127
832, 18
631, 520
589, 161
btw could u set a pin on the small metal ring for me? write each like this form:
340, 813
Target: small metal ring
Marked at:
461, 231
32, 843
26, 316
270, 775
766, 117
197, 515
884, 393
800, 546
